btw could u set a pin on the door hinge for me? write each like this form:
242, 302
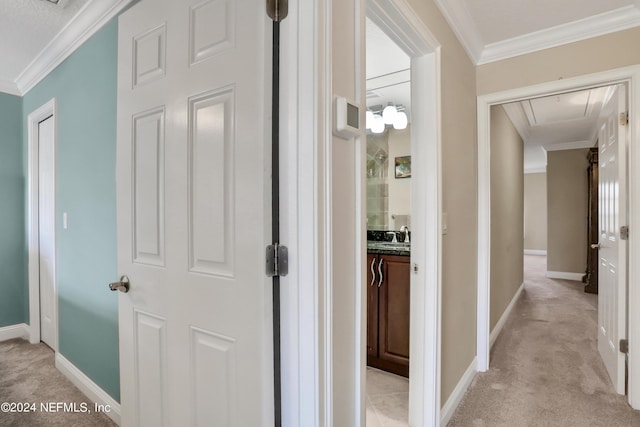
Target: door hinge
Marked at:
624, 118
277, 9
277, 260
624, 232
624, 346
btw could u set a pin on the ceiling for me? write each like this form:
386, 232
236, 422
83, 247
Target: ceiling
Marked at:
387, 69
492, 30
559, 122
38, 35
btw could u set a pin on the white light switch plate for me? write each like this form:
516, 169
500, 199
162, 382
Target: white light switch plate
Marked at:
64, 220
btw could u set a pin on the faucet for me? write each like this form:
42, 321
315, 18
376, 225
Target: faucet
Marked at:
394, 240
405, 229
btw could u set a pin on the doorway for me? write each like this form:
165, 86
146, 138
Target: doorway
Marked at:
630, 76
43, 295
398, 23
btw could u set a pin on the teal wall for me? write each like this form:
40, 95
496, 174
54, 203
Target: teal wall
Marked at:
84, 86
14, 300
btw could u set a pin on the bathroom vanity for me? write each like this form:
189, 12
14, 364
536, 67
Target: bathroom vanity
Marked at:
388, 300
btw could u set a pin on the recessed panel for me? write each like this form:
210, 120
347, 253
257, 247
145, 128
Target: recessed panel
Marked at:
148, 187
211, 186
149, 55
213, 373
212, 29
150, 343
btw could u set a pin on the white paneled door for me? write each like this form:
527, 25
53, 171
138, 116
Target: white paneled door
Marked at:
46, 239
612, 271
192, 175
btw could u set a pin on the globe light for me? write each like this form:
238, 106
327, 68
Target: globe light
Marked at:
401, 120
369, 119
377, 126
389, 114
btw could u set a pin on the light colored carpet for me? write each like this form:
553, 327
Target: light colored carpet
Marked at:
545, 368
28, 375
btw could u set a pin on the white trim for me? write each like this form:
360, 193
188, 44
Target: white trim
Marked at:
569, 145
505, 315
20, 330
88, 387
564, 275
630, 75
7, 86
398, 19
535, 252
535, 170
93, 15
593, 26
457, 394
305, 65
48, 109
463, 25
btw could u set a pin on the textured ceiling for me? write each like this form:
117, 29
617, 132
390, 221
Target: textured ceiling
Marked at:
492, 30
26, 27
497, 20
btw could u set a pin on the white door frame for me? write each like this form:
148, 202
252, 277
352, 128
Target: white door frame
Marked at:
33, 229
400, 23
306, 102
629, 75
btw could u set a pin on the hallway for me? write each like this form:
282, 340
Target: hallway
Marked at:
28, 376
545, 369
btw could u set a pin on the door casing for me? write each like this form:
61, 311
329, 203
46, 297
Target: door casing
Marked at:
33, 229
629, 75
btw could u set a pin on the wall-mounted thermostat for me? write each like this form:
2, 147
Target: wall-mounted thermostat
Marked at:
347, 118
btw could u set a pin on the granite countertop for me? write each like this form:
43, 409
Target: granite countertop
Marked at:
388, 248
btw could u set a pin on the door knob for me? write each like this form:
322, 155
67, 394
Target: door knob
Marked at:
595, 246
122, 285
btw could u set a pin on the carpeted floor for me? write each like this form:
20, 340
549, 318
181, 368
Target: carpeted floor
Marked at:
28, 375
545, 369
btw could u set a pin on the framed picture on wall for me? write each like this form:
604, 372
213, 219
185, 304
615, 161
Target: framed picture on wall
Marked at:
403, 167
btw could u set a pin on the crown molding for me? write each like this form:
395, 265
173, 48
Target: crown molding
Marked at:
464, 27
593, 26
519, 119
86, 23
574, 145
7, 86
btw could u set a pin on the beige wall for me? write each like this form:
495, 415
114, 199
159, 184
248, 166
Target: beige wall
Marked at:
507, 210
567, 195
459, 166
535, 211
459, 172
602, 53
399, 189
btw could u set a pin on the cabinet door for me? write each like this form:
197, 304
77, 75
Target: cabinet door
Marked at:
372, 305
393, 336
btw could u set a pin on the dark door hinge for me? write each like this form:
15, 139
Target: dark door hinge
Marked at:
277, 260
624, 346
624, 232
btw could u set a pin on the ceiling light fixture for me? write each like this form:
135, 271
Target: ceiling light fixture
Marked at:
378, 118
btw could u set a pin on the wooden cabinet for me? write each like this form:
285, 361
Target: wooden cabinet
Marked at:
388, 304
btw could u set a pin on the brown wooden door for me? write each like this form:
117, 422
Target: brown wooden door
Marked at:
394, 301
372, 305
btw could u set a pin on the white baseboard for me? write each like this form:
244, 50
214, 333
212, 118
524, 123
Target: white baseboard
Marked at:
88, 387
457, 394
535, 252
498, 328
20, 330
564, 275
